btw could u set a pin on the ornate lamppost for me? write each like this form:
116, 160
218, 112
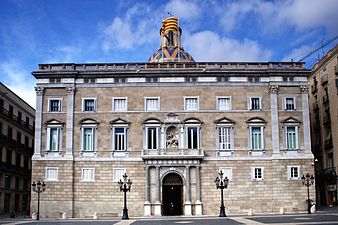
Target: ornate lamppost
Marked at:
221, 183
125, 186
308, 180
38, 187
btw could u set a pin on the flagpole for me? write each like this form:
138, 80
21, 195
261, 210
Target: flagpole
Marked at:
179, 40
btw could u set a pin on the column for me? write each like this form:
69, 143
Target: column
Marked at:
198, 203
273, 89
147, 204
70, 121
162, 138
306, 119
187, 206
158, 193
181, 137
38, 122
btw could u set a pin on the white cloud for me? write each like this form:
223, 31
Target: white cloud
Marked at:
297, 53
133, 29
277, 15
18, 81
209, 46
182, 9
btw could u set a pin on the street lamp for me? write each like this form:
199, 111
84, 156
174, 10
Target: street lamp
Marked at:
308, 180
125, 186
221, 184
38, 187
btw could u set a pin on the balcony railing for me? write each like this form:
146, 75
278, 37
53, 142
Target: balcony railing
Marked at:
172, 153
328, 144
15, 119
181, 65
328, 172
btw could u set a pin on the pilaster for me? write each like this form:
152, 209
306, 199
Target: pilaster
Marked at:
198, 203
306, 118
147, 204
38, 122
158, 193
187, 205
273, 90
70, 121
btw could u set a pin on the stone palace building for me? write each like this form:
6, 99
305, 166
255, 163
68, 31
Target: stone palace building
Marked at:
171, 124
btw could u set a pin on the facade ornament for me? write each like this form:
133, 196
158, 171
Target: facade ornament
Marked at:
172, 141
70, 89
39, 90
273, 89
304, 89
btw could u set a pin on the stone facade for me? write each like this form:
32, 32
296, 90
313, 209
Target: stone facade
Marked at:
323, 102
197, 166
16, 150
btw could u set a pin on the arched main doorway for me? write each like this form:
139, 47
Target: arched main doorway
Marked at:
172, 191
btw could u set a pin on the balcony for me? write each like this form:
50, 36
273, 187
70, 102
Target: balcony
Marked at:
172, 154
326, 120
328, 144
336, 69
314, 88
328, 172
324, 79
5, 113
325, 99
14, 144
315, 106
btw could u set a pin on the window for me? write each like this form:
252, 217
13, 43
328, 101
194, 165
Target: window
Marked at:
89, 80
291, 138
152, 104
152, 137
9, 133
19, 117
255, 103
54, 105
257, 173
89, 105
18, 137
88, 139
293, 172
88, 174
53, 142
227, 172
192, 137
223, 103
54, 135
120, 138
88, 135
290, 104
224, 138
120, 104
191, 103
256, 135
118, 173
52, 174
256, 138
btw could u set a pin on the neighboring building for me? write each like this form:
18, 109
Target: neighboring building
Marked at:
324, 123
16, 145
171, 124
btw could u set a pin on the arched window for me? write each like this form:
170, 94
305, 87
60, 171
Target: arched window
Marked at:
171, 38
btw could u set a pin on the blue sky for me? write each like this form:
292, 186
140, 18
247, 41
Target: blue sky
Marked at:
84, 31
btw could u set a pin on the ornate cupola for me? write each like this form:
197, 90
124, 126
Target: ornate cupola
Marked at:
171, 49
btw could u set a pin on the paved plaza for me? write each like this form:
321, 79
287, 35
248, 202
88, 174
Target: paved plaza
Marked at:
321, 218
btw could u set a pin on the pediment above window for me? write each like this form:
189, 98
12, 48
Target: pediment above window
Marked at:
119, 121
255, 120
54, 122
192, 120
291, 120
89, 122
152, 121
224, 121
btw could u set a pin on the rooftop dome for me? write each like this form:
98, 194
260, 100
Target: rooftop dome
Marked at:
171, 49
